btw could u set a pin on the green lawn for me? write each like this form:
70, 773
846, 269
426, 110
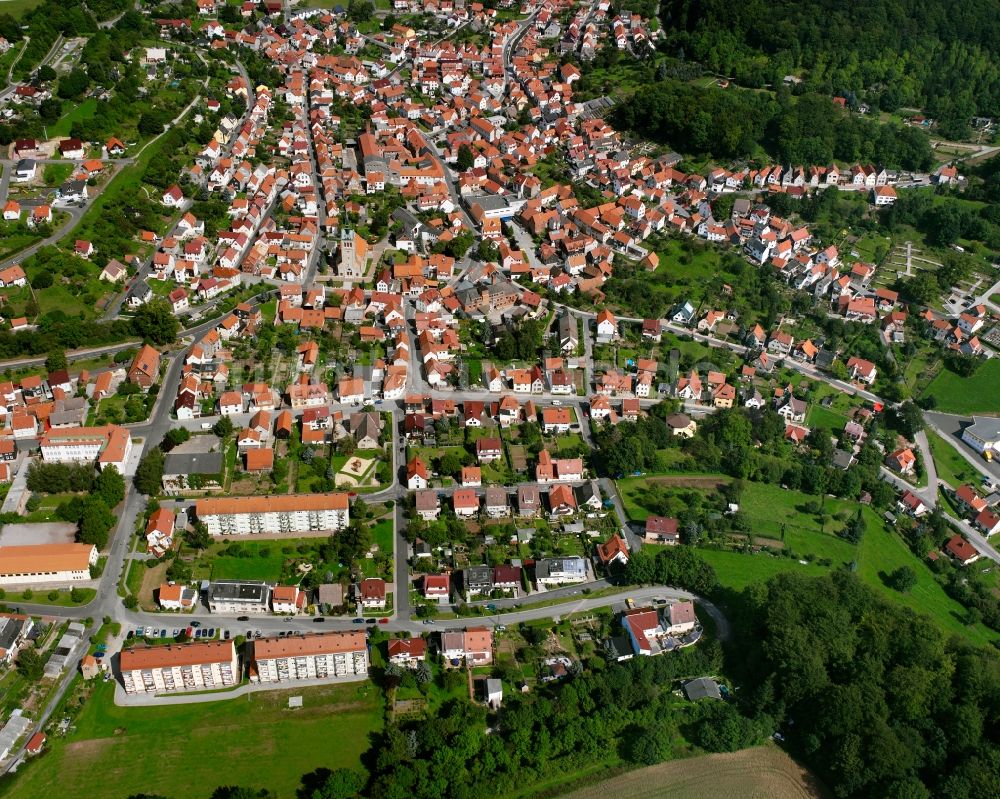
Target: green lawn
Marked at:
17, 8
968, 395
57, 174
951, 466
882, 551
769, 509
737, 570
822, 418
41, 597
189, 750
76, 113
127, 183
226, 567
382, 534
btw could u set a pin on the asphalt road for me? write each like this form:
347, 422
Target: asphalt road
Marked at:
950, 427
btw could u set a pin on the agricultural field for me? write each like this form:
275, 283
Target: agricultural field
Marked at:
967, 395
201, 746
748, 774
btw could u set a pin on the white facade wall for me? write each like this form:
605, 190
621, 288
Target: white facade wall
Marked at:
72, 452
312, 667
182, 678
276, 522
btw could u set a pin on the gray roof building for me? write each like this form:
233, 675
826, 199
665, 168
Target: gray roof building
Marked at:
702, 688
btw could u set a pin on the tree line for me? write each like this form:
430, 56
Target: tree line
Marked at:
939, 55
870, 695
736, 123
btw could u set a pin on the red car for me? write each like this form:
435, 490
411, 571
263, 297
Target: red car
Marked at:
383, 621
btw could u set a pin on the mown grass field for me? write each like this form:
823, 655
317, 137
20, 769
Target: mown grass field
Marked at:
77, 112
18, 8
225, 567
763, 771
951, 466
737, 570
881, 552
968, 395
189, 750
769, 508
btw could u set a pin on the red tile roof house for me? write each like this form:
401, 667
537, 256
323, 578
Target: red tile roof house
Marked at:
912, 504
437, 586
466, 502
371, 593
902, 460
614, 550
961, 551
661, 530
407, 651
489, 449
969, 501
35, 743
988, 522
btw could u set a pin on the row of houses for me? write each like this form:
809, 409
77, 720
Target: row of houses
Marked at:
296, 658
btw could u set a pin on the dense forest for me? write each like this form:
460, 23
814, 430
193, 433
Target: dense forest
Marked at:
804, 130
870, 695
938, 55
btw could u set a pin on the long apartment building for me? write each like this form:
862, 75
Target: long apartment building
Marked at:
183, 667
109, 445
309, 657
294, 514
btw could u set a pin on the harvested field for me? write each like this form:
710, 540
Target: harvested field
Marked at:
761, 773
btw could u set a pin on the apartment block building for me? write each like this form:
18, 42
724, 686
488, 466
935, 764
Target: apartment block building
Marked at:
309, 657
291, 515
183, 667
109, 445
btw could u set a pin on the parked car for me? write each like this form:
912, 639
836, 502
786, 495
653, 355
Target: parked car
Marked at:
189, 632
369, 621
383, 621
242, 618
359, 621
211, 632
319, 620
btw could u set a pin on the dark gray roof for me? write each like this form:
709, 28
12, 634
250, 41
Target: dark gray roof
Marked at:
702, 688
10, 630
193, 463
478, 577
235, 590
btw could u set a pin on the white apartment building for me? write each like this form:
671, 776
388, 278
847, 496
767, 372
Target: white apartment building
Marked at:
184, 667
298, 513
46, 563
309, 657
109, 445
233, 596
